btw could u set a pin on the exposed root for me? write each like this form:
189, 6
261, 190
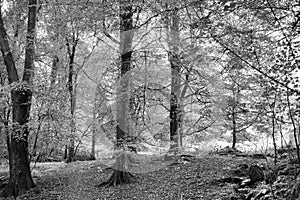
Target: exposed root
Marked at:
117, 178
12, 189
9, 190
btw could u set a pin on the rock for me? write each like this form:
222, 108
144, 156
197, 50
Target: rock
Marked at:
256, 174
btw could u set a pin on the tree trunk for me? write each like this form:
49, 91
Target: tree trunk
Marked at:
71, 46
20, 178
53, 75
34, 148
92, 155
291, 115
172, 25
121, 174
273, 135
66, 152
5, 113
273, 107
233, 128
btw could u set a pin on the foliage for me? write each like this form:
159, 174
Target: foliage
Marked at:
237, 68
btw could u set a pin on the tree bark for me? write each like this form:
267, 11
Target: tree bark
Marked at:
20, 178
54, 69
96, 107
120, 174
291, 115
175, 119
273, 108
71, 46
5, 113
234, 106
34, 148
233, 128
92, 154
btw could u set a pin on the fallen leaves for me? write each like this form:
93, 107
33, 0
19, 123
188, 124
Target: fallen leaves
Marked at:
193, 179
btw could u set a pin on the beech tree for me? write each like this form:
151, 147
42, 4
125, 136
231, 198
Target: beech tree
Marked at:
21, 94
120, 174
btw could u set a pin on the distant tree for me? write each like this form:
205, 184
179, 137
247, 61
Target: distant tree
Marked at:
173, 39
71, 49
241, 111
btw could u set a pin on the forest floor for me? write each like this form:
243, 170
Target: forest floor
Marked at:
198, 178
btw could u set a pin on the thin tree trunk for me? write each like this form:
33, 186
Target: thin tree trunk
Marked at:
65, 152
34, 148
294, 126
273, 128
233, 129
234, 116
20, 178
281, 136
53, 75
5, 112
71, 52
92, 155
273, 136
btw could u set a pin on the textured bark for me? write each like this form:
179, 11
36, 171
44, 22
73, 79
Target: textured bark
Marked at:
120, 174
172, 25
71, 52
5, 113
7, 54
20, 175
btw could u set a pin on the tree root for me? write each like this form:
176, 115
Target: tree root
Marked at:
9, 191
12, 189
117, 178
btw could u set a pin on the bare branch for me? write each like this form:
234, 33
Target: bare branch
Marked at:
108, 35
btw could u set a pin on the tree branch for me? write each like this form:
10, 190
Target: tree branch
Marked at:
114, 40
